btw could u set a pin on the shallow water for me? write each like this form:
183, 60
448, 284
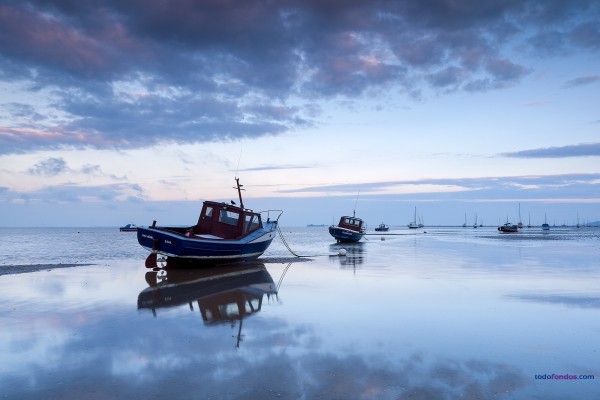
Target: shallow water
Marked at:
451, 313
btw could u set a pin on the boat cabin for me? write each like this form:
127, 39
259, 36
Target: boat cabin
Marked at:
224, 221
352, 223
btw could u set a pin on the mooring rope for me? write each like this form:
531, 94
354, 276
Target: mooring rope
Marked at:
287, 246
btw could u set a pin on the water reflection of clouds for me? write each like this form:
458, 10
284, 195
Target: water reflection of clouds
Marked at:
113, 349
180, 364
383, 333
588, 302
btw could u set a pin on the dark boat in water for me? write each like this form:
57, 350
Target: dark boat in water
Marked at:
128, 228
224, 233
508, 228
348, 230
382, 228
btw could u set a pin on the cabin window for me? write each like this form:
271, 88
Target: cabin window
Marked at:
251, 223
252, 305
230, 310
352, 222
229, 217
208, 212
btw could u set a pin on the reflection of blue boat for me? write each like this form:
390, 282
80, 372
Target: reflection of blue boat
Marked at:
348, 230
221, 293
224, 233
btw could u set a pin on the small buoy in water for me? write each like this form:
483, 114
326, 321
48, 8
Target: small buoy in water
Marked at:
342, 252
382, 238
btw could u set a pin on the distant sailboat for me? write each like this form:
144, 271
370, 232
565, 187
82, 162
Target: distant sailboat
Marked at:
413, 224
475, 223
545, 226
529, 224
520, 224
465, 224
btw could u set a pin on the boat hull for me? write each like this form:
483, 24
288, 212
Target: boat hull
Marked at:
343, 235
168, 243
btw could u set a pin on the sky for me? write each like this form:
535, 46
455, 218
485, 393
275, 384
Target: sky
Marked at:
129, 111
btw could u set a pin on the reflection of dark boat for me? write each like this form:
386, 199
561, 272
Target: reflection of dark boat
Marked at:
382, 228
348, 230
223, 294
354, 254
128, 228
224, 233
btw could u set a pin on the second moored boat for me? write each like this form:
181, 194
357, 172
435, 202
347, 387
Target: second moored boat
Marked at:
349, 229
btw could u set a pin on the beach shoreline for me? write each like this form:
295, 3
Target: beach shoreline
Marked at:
26, 268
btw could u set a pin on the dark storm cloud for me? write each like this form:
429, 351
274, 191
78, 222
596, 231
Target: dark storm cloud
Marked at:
577, 150
214, 71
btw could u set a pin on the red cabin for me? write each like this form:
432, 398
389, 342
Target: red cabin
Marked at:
225, 221
352, 223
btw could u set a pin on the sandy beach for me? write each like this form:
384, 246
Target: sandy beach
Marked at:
23, 269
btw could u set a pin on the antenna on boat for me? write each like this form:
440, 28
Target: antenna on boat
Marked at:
355, 202
239, 189
237, 181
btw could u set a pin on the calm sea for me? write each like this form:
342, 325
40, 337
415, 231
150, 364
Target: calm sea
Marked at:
436, 313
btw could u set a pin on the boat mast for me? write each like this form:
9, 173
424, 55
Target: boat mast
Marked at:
239, 189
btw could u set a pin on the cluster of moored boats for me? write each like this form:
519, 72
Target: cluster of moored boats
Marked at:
228, 232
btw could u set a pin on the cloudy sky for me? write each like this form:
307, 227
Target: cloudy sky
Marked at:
132, 110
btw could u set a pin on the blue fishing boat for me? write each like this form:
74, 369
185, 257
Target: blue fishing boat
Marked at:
348, 230
224, 233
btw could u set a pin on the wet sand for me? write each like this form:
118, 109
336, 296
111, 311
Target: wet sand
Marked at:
23, 269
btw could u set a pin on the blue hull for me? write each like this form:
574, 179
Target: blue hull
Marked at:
343, 235
172, 244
